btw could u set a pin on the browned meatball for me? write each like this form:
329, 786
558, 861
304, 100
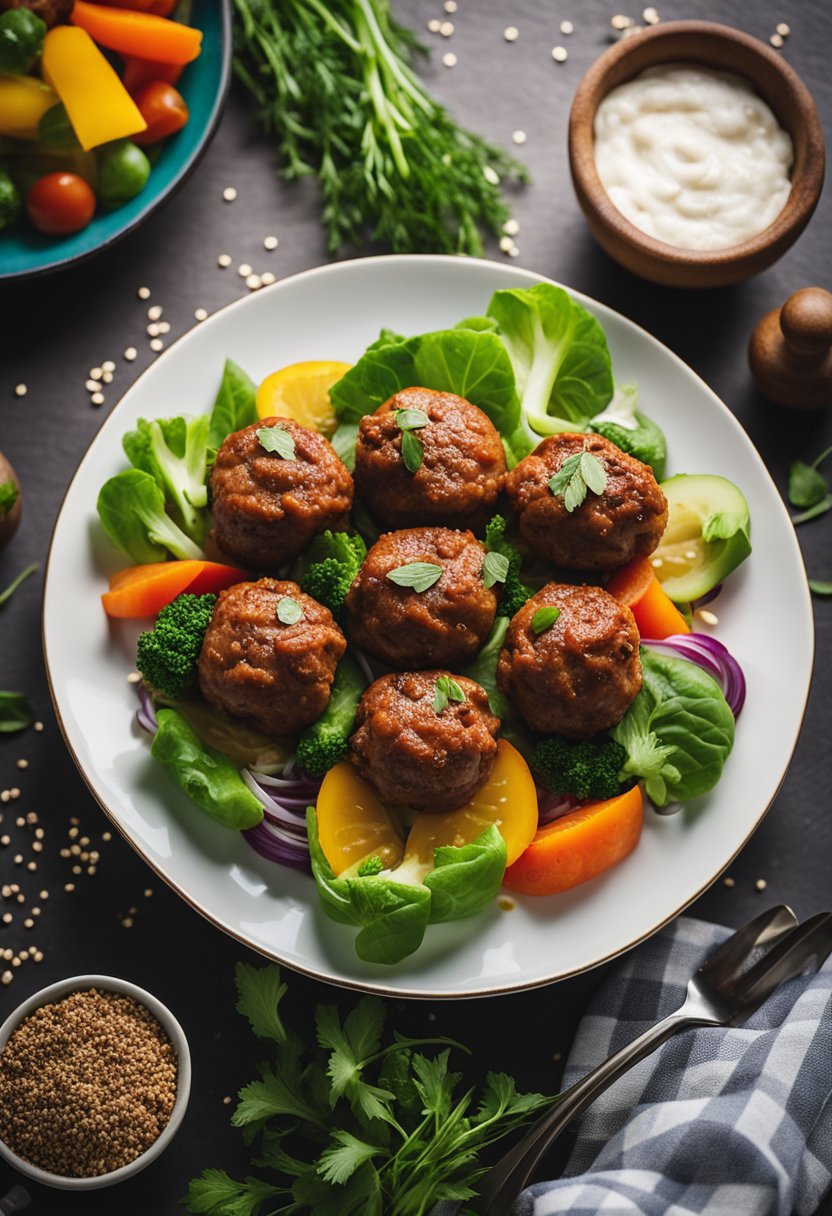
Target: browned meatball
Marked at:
442, 626
52, 12
462, 470
276, 677
607, 530
266, 508
413, 756
579, 676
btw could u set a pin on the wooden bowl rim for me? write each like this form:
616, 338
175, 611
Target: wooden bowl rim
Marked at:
808, 171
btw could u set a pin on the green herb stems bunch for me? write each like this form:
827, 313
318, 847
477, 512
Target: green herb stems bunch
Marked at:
358, 1123
332, 80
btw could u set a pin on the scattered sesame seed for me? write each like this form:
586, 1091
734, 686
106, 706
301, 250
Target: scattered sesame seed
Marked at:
91, 386
36, 911
559, 54
630, 30
37, 726
96, 373
69, 886
76, 870
506, 243
106, 836
450, 6
164, 327
153, 330
760, 884
650, 16
127, 922
154, 313
37, 955
620, 22
270, 242
22, 763
148, 892
253, 282
449, 59
107, 378
43, 894
7, 918
229, 194
73, 831
28, 923
777, 40
491, 175
566, 27
37, 846
18, 859
132, 911
244, 270
21, 899
783, 29
20, 822
97, 399
108, 366
224, 261
23, 956
20, 390
707, 617
519, 137
511, 33
130, 354
6, 977
134, 678
446, 29
511, 227
32, 866
434, 25
200, 314
143, 293
226, 1101
728, 882
267, 279
15, 961
91, 870
156, 344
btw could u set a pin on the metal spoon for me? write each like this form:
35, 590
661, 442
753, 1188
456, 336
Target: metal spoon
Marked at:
727, 988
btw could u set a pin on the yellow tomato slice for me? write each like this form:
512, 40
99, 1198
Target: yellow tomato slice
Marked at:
301, 392
508, 799
353, 823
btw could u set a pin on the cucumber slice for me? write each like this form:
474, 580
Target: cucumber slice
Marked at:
708, 534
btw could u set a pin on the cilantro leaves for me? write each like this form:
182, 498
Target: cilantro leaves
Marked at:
355, 1123
579, 473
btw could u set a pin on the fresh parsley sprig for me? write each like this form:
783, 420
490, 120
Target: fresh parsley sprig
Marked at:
357, 1123
579, 472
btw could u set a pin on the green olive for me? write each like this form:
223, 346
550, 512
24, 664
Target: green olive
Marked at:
123, 170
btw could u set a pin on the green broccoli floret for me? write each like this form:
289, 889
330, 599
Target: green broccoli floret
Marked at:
328, 567
370, 866
584, 770
326, 741
515, 593
166, 655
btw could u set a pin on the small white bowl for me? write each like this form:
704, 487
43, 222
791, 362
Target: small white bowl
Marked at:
105, 983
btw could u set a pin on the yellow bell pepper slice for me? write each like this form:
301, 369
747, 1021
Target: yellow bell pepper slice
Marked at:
23, 101
97, 103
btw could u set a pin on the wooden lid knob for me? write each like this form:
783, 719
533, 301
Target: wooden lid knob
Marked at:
790, 352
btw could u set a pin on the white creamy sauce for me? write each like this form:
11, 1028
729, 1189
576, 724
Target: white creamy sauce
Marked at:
692, 157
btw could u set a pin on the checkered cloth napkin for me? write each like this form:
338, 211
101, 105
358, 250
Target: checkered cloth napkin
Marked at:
717, 1122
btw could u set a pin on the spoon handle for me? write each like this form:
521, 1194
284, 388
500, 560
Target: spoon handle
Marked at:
503, 1183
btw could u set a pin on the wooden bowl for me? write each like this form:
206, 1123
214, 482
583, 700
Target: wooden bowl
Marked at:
714, 46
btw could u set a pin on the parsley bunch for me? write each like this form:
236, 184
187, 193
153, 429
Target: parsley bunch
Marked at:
331, 79
354, 1126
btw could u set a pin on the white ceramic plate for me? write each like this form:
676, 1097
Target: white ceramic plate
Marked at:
334, 313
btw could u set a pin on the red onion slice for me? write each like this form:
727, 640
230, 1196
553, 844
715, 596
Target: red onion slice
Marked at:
273, 844
712, 656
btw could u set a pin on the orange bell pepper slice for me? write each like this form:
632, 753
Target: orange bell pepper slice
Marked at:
142, 34
142, 591
636, 586
578, 846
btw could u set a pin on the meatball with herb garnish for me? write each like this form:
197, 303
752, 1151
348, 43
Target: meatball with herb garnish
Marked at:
276, 485
426, 457
584, 504
424, 597
425, 739
269, 656
570, 663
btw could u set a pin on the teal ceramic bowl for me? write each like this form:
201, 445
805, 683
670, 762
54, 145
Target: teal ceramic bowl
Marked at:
204, 85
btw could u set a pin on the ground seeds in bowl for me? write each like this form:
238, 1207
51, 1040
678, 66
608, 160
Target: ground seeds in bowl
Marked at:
86, 1084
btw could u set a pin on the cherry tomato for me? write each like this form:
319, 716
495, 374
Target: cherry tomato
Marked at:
164, 110
136, 73
60, 203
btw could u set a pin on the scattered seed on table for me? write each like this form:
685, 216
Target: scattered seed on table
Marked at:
148, 892
69, 886
244, 270
226, 1100
76, 870
446, 29
620, 22
143, 293
434, 25
22, 763
28, 923
106, 836
6, 977
511, 33
96, 373
156, 344
91, 870
37, 846
127, 922
229, 194
519, 137
164, 327
760, 884
153, 314
450, 6
20, 390
73, 832
7, 918
43, 894
783, 29
107, 378
253, 282
650, 16
559, 54
15, 961
152, 329
566, 27
32, 866
267, 279
200, 314
270, 242
491, 175
35, 911
37, 956
130, 354
91, 386
108, 366
224, 261
776, 41
449, 59
21, 899
97, 399
5, 841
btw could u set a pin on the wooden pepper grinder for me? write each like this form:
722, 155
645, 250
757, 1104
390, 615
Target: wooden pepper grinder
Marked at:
790, 352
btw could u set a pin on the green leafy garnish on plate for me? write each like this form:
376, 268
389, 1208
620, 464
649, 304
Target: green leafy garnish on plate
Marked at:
544, 618
495, 568
277, 439
446, 690
579, 473
418, 575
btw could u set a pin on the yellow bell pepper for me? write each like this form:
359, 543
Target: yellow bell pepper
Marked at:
23, 100
98, 105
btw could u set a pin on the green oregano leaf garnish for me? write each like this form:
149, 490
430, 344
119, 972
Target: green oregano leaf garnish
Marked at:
445, 691
579, 472
495, 568
418, 575
289, 611
544, 618
410, 421
278, 440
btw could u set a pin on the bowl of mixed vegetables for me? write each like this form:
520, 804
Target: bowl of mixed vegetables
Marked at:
104, 110
294, 834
